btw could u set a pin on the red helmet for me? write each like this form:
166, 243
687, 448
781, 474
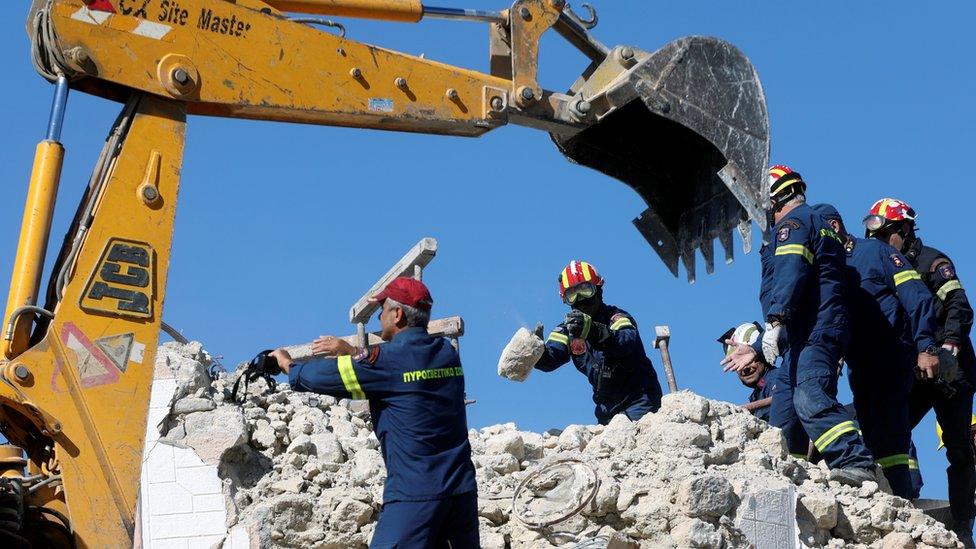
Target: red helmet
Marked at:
785, 181
576, 273
886, 212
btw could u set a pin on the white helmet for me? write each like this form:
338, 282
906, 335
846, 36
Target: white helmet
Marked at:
745, 334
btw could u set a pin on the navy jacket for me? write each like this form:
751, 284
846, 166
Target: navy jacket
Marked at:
890, 304
764, 390
415, 387
629, 383
806, 283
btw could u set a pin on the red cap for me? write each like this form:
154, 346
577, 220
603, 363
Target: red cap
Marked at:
408, 291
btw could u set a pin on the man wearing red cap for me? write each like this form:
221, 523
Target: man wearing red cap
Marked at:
415, 387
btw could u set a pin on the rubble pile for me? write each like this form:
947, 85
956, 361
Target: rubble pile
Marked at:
303, 470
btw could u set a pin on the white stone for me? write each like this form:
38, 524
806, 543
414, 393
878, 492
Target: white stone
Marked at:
519, 356
509, 442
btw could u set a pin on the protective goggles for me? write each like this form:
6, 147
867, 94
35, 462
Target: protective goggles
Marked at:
579, 292
874, 223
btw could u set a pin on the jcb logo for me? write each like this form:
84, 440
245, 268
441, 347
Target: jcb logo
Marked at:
123, 281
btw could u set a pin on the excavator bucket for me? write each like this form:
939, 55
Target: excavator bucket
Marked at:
686, 127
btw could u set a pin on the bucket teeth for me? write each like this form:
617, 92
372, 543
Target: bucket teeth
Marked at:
745, 231
726, 240
708, 252
688, 258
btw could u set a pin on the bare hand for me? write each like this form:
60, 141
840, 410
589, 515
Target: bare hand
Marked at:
742, 356
331, 346
283, 358
928, 366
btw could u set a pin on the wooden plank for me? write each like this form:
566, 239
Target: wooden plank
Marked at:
418, 256
450, 327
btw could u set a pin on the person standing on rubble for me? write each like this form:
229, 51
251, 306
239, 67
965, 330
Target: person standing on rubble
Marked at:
806, 305
415, 387
948, 389
893, 328
758, 375
604, 344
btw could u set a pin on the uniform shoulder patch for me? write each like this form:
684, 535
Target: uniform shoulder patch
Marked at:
374, 354
783, 234
897, 260
792, 223
947, 271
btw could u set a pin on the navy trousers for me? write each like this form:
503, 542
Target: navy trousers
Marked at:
429, 524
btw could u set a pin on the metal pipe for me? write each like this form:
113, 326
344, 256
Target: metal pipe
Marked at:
575, 34
17, 314
406, 11
60, 103
458, 14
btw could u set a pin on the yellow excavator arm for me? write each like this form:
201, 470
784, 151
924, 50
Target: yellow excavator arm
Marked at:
685, 126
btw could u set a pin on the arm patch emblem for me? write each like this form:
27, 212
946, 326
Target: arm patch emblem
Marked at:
947, 271
783, 234
896, 259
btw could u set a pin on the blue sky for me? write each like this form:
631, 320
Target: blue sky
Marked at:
280, 228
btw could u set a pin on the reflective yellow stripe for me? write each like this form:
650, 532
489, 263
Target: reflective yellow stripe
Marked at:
895, 460
783, 185
622, 323
585, 267
799, 456
833, 434
797, 249
950, 286
884, 208
831, 234
559, 338
905, 276
565, 278
348, 374
587, 324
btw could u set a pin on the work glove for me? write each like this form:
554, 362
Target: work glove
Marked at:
577, 324
539, 330
949, 369
770, 342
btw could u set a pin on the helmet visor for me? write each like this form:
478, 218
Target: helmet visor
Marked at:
580, 292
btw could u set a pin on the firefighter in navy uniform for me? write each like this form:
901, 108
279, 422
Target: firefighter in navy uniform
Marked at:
415, 387
806, 302
604, 345
893, 221
893, 327
758, 376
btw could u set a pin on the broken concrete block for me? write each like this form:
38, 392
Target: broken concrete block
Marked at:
509, 442
210, 434
707, 496
189, 405
820, 510
520, 355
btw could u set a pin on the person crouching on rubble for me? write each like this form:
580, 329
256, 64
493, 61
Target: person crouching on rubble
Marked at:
758, 375
415, 387
604, 344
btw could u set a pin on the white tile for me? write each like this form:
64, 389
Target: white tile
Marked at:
186, 457
166, 544
162, 392
210, 523
199, 480
209, 502
238, 538
160, 464
205, 542
169, 499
